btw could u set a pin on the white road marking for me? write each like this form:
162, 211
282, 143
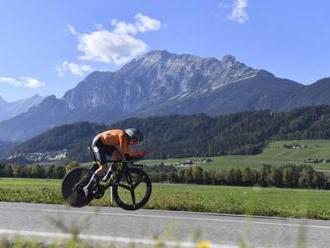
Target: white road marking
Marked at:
188, 218
249, 221
103, 238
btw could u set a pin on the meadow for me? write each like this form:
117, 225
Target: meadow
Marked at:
274, 154
219, 199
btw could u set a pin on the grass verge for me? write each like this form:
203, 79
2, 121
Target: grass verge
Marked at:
299, 203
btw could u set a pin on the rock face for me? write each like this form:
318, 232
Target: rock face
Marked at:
161, 83
11, 109
159, 78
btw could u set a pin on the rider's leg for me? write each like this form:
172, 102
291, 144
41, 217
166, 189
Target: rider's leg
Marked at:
102, 170
94, 179
112, 152
100, 155
108, 173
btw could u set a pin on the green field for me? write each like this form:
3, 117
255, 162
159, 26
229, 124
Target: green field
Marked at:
274, 154
220, 199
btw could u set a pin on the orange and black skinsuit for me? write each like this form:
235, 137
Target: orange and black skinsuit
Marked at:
114, 143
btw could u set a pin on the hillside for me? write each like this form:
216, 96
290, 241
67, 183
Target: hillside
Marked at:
196, 135
6, 147
295, 152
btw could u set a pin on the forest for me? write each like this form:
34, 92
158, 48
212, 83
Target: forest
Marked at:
192, 136
288, 176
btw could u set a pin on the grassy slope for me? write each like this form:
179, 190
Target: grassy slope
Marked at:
274, 154
221, 199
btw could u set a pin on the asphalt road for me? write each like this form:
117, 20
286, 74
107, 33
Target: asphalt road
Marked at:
143, 227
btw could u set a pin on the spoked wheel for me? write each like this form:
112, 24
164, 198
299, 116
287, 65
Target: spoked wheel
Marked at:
72, 187
132, 190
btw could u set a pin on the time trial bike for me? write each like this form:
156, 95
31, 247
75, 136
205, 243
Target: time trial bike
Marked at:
131, 185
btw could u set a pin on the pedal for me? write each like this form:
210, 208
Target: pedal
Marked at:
99, 192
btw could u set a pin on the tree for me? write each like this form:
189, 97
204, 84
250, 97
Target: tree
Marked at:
188, 175
181, 176
173, 177
221, 177
2, 166
295, 176
71, 165
197, 174
59, 172
305, 178
237, 177
206, 177
287, 175
37, 171
7, 171
318, 180
26, 172
263, 175
50, 171
17, 170
231, 176
248, 177
276, 176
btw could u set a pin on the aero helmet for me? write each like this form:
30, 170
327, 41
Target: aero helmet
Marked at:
134, 134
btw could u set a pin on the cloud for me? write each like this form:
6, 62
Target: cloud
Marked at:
118, 45
142, 24
238, 13
73, 68
25, 82
71, 29
108, 47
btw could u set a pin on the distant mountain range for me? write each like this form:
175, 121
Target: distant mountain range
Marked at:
162, 83
186, 136
11, 109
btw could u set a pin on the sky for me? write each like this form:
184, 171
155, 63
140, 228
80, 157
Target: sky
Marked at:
47, 47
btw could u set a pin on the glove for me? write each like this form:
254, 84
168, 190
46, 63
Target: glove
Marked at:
135, 155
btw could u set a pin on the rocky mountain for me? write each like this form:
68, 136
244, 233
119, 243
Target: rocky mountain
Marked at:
159, 78
161, 83
11, 109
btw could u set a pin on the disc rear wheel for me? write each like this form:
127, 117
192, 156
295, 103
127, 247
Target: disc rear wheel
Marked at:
72, 187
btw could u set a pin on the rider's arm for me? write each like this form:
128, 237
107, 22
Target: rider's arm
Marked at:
126, 151
124, 146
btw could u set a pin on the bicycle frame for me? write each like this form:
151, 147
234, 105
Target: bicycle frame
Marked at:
120, 168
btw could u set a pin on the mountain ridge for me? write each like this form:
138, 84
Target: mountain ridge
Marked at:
161, 83
11, 109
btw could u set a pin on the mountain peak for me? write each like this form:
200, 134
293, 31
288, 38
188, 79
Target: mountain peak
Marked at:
158, 53
11, 109
36, 96
229, 59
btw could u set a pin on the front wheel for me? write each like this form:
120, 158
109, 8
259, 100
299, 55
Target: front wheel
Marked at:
72, 187
132, 189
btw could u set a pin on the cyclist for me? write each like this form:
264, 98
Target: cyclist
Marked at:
116, 144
